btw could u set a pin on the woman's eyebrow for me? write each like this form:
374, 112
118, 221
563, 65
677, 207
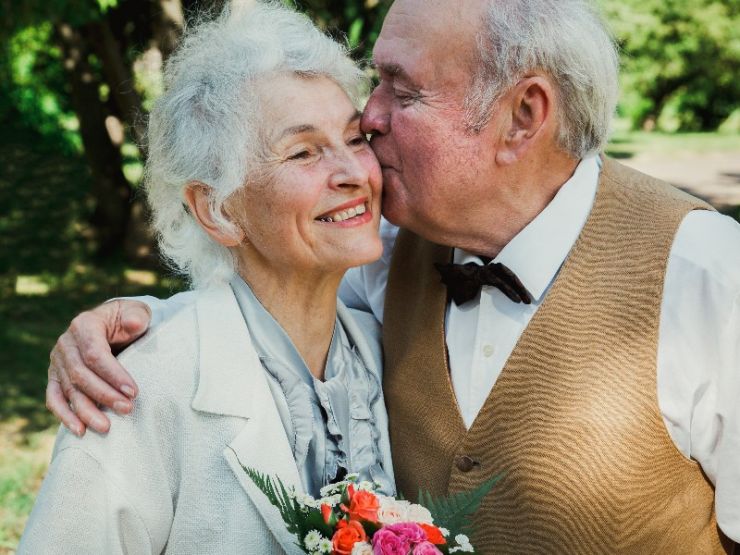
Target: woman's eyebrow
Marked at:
308, 128
297, 130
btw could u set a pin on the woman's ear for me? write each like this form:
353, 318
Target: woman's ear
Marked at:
531, 103
197, 196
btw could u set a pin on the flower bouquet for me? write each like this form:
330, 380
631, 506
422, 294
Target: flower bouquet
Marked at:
350, 518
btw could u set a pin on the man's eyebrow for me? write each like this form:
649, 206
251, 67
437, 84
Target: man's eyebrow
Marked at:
395, 70
308, 128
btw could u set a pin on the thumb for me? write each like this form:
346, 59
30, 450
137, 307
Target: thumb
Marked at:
132, 320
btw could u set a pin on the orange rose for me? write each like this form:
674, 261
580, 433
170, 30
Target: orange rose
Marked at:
433, 534
364, 506
347, 536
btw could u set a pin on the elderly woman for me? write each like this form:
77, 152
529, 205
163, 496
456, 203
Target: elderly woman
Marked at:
264, 192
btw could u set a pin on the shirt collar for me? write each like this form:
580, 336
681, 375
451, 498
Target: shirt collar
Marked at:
538, 251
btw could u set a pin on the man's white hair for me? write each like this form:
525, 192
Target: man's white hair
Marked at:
206, 126
566, 39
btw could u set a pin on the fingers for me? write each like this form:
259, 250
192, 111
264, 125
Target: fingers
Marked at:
84, 372
88, 412
79, 353
90, 333
71, 387
57, 404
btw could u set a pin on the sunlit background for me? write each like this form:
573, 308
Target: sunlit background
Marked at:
77, 78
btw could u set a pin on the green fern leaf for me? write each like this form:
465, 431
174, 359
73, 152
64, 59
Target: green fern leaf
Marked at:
455, 512
279, 497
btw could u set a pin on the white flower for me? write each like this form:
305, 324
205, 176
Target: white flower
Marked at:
417, 513
329, 489
332, 500
464, 544
304, 499
365, 485
351, 477
445, 532
392, 511
462, 539
312, 539
325, 546
362, 548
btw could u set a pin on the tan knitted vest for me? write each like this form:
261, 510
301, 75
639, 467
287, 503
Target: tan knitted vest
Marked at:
573, 421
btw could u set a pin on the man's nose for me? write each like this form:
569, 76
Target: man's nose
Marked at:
376, 119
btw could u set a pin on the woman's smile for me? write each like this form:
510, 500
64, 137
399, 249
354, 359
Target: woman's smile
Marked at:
352, 213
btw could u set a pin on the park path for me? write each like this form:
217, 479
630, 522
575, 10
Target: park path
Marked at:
712, 176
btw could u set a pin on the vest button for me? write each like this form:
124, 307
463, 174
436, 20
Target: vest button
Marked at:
465, 464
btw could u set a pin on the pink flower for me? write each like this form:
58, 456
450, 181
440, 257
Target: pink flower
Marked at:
398, 539
426, 548
410, 531
386, 542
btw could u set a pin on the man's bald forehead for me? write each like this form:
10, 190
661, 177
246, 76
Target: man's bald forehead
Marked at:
429, 21
451, 10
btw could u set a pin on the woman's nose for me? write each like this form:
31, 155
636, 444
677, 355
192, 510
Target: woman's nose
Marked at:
349, 170
376, 118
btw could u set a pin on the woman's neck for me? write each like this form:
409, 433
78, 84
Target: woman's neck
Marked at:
305, 306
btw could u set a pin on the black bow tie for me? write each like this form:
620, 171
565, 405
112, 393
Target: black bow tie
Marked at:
464, 281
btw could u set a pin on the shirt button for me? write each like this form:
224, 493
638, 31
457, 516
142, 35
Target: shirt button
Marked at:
465, 464
488, 351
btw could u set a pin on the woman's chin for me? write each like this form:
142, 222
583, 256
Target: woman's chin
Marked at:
359, 256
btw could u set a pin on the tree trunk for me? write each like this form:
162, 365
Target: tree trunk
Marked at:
120, 79
168, 21
111, 191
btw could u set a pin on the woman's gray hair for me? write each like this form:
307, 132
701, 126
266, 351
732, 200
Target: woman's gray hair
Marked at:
566, 39
206, 128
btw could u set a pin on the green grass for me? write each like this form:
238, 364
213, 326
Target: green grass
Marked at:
23, 461
626, 143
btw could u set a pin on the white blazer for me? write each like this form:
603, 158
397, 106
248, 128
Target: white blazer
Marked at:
168, 478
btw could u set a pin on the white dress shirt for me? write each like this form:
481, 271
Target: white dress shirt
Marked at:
698, 364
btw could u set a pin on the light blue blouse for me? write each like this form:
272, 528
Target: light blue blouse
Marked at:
329, 424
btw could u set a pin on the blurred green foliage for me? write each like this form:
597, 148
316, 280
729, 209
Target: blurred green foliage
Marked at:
680, 62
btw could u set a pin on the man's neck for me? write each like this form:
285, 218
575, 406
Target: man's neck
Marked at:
518, 200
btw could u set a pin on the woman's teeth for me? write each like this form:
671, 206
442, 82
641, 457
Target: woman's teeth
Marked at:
344, 214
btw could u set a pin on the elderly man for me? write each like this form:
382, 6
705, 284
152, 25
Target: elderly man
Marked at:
548, 314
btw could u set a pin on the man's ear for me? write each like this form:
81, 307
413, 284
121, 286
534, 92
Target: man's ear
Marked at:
197, 196
530, 104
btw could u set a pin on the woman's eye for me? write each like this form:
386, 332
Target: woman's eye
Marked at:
358, 140
302, 155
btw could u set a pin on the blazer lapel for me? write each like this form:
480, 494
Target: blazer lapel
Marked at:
232, 382
249, 450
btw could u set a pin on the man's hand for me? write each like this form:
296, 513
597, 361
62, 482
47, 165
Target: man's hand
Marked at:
84, 371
